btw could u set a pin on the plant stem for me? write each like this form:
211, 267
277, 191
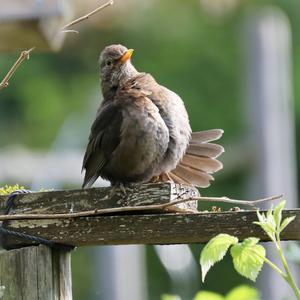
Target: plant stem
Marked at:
288, 276
274, 267
271, 264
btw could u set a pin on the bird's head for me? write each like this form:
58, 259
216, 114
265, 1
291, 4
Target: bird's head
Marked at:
115, 65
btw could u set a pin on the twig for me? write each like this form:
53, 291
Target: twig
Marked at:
110, 2
24, 55
69, 30
103, 211
252, 203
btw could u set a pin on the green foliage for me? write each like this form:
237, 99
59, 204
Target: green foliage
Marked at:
272, 222
8, 189
248, 257
286, 222
241, 292
277, 215
205, 295
214, 251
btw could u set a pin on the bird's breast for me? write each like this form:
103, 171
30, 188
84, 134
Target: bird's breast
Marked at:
144, 140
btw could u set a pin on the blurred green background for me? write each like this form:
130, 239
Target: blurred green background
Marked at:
192, 48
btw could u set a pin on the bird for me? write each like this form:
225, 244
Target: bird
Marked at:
142, 132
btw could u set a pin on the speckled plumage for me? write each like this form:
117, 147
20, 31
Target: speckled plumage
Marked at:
142, 129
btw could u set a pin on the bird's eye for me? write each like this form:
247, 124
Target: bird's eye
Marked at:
109, 62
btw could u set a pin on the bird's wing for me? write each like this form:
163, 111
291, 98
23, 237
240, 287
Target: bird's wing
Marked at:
104, 139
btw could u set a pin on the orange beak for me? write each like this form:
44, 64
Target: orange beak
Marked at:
126, 55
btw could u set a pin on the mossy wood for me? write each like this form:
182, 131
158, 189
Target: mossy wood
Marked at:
173, 227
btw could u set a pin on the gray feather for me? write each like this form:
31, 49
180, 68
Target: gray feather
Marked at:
207, 135
206, 149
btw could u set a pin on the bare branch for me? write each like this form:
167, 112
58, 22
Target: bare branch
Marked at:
252, 203
69, 30
110, 2
24, 55
153, 207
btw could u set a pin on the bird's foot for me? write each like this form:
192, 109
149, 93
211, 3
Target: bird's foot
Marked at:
125, 192
166, 177
154, 179
163, 177
118, 189
122, 188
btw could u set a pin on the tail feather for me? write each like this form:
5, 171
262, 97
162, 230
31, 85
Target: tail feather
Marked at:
207, 135
177, 179
192, 176
205, 149
204, 164
199, 160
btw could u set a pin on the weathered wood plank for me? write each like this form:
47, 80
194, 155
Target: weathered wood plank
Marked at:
151, 228
27, 274
98, 198
62, 274
129, 228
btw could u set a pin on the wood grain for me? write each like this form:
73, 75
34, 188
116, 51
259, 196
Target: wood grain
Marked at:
98, 198
131, 228
28, 274
151, 228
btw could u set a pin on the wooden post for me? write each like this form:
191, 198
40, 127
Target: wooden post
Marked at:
36, 273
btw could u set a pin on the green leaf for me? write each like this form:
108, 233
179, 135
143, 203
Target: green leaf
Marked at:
214, 251
286, 222
269, 213
204, 295
267, 223
2, 289
248, 257
261, 217
243, 292
278, 213
270, 219
267, 229
169, 297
